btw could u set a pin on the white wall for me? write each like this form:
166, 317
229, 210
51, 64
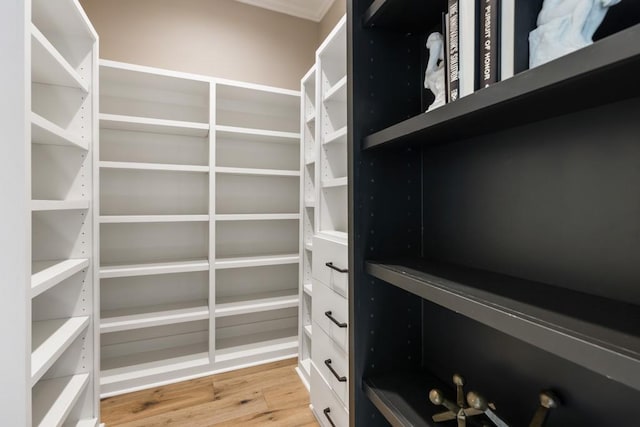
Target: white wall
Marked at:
15, 190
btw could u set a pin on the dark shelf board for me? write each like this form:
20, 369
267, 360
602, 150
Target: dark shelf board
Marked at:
602, 73
403, 397
599, 334
418, 16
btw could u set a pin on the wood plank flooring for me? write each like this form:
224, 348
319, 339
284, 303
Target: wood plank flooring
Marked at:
267, 395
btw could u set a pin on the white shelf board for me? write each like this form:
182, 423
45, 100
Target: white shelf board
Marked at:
308, 330
149, 269
256, 135
308, 246
339, 236
245, 346
256, 261
337, 137
153, 363
256, 94
146, 317
256, 303
49, 339
47, 274
145, 124
309, 161
310, 117
54, 399
48, 66
308, 289
337, 92
59, 205
309, 203
124, 219
155, 80
153, 167
256, 217
336, 182
45, 132
66, 18
262, 172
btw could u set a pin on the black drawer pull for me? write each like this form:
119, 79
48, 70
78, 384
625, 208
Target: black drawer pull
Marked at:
333, 319
333, 371
326, 414
338, 269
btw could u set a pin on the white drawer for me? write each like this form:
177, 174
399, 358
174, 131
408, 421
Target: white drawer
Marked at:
328, 305
327, 355
325, 404
325, 252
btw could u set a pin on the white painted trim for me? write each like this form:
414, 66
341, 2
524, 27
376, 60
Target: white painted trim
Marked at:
304, 380
195, 376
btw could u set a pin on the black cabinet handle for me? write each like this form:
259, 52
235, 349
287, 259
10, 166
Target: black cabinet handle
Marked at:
326, 414
333, 319
338, 269
333, 371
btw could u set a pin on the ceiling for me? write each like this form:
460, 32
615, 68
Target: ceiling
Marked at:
313, 10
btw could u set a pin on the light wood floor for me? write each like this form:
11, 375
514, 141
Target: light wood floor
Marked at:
267, 395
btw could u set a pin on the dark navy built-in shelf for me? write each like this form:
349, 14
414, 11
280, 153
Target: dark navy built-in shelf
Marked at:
597, 333
601, 73
403, 397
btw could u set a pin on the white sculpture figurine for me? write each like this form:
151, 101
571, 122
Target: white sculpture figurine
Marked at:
434, 74
565, 26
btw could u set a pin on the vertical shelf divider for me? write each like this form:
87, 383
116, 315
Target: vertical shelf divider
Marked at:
212, 222
309, 118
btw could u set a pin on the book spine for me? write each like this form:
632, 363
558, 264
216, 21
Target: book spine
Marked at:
507, 38
453, 51
447, 62
489, 31
468, 33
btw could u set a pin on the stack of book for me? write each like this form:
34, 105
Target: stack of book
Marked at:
486, 41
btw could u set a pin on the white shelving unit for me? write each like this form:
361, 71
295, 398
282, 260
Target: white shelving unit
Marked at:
257, 149
54, 399
47, 274
331, 172
59, 205
154, 223
275, 300
256, 217
49, 304
132, 219
152, 125
308, 122
199, 224
323, 318
45, 132
153, 166
255, 171
151, 269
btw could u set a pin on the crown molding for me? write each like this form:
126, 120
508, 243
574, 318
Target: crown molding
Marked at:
313, 10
